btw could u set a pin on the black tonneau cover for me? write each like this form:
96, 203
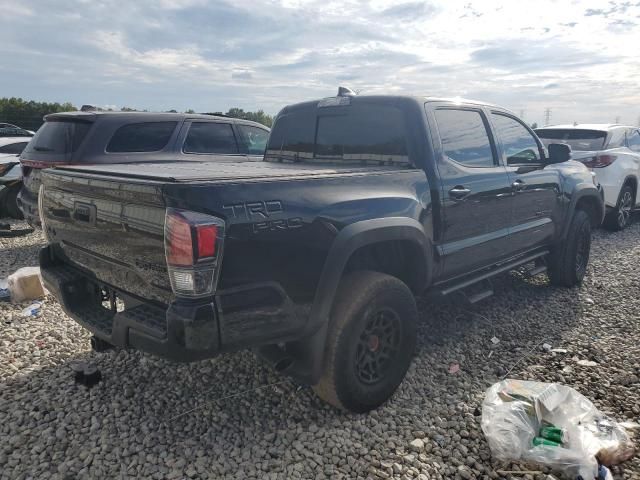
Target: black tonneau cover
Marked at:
220, 171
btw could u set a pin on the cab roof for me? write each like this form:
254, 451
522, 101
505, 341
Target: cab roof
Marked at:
395, 99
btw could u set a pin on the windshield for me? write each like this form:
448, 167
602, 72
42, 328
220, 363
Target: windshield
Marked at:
58, 138
353, 134
578, 140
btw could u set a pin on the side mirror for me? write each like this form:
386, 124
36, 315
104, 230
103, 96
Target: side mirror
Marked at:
559, 152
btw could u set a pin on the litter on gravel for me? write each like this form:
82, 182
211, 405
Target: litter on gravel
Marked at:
25, 284
554, 425
32, 310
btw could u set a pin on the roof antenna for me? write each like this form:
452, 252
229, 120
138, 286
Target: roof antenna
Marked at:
346, 92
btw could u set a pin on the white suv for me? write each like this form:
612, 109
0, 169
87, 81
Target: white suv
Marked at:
613, 153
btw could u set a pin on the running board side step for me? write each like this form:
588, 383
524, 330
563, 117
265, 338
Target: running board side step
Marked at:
505, 267
478, 297
537, 270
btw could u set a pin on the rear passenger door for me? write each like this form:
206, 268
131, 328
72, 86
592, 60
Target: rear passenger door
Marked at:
476, 194
537, 198
210, 138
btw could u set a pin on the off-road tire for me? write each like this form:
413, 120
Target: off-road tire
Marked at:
567, 263
363, 299
619, 217
8, 202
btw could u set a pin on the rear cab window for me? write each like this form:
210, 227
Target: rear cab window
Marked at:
141, 137
349, 134
578, 139
57, 140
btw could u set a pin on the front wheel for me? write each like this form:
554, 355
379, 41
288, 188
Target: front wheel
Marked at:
620, 216
568, 261
370, 342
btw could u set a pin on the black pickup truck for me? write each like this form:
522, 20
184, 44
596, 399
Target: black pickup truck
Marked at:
313, 256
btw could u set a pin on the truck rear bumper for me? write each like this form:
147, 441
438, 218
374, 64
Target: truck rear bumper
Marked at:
182, 331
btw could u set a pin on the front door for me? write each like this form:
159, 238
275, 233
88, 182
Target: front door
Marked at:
537, 198
476, 192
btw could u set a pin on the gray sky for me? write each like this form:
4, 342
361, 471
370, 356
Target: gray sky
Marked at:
580, 58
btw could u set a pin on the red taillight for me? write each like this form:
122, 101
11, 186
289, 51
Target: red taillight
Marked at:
600, 161
207, 236
179, 242
193, 249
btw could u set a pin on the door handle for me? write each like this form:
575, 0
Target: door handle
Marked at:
459, 192
518, 185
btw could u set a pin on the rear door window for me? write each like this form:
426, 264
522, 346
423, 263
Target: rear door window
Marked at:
465, 137
254, 138
210, 137
519, 145
12, 131
58, 139
617, 138
15, 148
141, 137
633, 140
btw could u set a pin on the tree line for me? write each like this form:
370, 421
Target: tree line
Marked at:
29, 114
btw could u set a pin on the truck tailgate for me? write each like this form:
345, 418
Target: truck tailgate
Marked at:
113, 229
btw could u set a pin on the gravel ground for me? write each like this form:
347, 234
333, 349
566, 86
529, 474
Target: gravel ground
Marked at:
225, 418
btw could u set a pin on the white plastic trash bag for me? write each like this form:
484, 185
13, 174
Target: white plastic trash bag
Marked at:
553, 425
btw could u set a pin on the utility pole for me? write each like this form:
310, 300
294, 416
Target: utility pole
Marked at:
522, 114
547, 116
617, 119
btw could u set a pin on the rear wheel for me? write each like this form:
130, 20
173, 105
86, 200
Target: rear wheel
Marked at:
9, 202
370, 343
620, 216
568, 261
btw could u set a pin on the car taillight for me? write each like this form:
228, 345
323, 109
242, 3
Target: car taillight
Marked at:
193, 250
599, 161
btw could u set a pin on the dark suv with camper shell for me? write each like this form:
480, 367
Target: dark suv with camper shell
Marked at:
74, 138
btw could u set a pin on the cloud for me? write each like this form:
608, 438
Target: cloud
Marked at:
242, 75
252, 54
410, 10
540, 55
